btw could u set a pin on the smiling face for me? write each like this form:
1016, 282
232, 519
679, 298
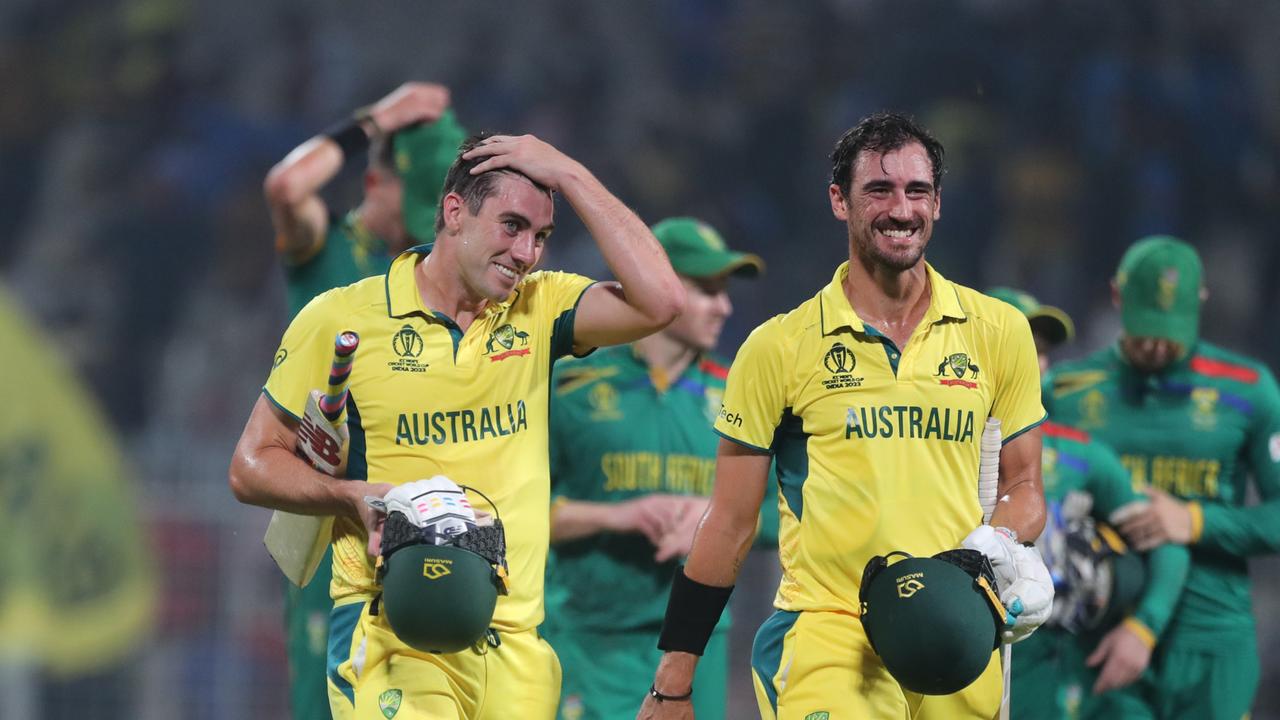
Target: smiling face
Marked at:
891, 206
500, 244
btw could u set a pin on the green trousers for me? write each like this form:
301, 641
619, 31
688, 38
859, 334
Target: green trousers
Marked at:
606, 674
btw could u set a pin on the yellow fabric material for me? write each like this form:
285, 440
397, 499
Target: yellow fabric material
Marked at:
827, 665
887, 461
1197, 521
421, 406
77, 577
519, 678
1143, 632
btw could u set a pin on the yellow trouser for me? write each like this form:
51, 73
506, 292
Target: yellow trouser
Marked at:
819, 666
374, 676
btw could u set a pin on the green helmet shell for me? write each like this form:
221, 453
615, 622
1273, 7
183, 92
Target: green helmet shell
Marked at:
438, 598
932, 623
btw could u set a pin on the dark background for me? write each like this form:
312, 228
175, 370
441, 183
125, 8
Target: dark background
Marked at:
134, 136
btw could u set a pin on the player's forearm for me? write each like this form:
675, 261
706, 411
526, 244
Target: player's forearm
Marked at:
1021, 510
1167, 568
275, 478
723, 534
577, 519
292, 190
630, 250
1239, 531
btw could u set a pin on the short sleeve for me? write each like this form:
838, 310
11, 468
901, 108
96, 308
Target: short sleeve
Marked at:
755, 392
1017, 395
306, 352
558, 296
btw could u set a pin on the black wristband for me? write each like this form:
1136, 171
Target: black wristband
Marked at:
692, 613
350, 137
653, 693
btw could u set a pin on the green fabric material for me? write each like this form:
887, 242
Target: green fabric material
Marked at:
1050, 682
1197, 685
306, 619
350, 253
423, 155
1090, 467
698, 251
1160, 279
587, 693
615, 437
1197, 430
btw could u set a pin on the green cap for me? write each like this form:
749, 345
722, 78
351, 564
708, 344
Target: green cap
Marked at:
1051, 323
1160, 279
423, 155
438, 598
697, 250
932, 623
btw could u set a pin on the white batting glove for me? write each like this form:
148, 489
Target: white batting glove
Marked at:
1026, 589
435, 502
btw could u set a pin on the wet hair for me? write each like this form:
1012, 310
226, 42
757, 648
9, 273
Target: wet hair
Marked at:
474, 189
882, 132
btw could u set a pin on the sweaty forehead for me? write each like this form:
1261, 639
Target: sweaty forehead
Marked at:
516, 193
907, 163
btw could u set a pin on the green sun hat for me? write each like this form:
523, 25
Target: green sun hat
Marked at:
1160, 278
1047, 321
697, 250
438, 598
423, 154
933, 623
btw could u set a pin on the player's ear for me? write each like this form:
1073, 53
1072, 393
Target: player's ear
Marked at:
453, 207
839, 203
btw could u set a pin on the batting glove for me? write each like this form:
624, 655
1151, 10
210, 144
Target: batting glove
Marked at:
1026, 589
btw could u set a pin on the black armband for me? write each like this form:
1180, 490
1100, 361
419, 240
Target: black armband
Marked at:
350, 137
653, 693
692, 613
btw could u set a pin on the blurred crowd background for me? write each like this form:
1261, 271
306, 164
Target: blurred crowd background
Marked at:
136, 251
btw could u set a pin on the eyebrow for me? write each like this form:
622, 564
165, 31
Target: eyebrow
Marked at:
523, 221
880, 183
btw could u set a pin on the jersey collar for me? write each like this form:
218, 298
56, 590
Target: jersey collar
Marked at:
403, 297
837, 314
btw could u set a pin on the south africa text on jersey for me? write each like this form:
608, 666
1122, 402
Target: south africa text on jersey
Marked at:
455, 426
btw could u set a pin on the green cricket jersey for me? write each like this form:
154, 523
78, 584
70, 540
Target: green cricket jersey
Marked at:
1198, 430
614, 437
1073, 462
349, 253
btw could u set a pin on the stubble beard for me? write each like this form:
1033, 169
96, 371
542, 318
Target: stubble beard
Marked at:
873, 256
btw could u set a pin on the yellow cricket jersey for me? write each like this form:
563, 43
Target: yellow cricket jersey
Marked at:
877, 447
427, 399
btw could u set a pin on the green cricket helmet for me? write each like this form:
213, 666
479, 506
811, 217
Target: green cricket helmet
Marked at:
440, 566
934, 621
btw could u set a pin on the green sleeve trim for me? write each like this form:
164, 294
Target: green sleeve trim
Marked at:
1032, 426
562, 330
747, 445
1167, 568
267, 393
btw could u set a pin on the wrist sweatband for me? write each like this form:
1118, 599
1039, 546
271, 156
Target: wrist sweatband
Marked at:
349, 136
692, 613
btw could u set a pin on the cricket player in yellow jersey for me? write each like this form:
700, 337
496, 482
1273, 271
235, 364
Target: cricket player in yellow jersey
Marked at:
872, 397
451, 378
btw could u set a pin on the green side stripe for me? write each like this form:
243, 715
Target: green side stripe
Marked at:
342, 626
766, 651
791, 454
